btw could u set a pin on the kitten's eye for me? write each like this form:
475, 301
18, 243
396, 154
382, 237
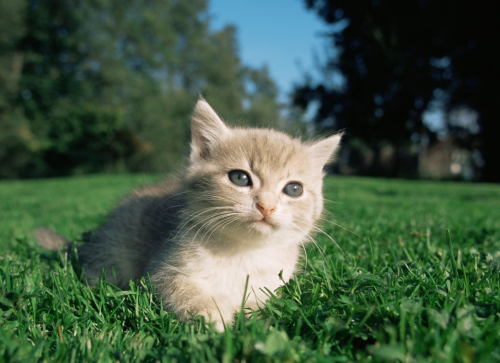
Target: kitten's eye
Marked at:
293, 189
240, 179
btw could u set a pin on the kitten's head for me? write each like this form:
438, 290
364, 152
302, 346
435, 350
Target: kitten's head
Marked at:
250, 185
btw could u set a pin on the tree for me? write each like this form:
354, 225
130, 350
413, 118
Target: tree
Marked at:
393, 56
110, 85
11, 29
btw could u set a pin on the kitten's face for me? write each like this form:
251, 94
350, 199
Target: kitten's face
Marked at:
251, 184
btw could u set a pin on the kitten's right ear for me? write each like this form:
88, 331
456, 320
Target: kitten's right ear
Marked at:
323, 151
207, 129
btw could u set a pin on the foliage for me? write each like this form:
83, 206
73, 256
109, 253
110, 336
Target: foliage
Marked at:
133, 69
397, 289
397, 58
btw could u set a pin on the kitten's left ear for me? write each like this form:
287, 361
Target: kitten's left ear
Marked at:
207, 129
323, 151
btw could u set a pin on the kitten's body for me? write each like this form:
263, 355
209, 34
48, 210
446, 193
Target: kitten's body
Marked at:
200, 236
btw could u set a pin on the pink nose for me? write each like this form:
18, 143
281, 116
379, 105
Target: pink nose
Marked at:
266, 209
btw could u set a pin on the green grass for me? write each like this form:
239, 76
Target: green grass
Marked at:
399, 290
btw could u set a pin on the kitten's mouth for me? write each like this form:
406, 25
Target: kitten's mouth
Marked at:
263, 220
262, 223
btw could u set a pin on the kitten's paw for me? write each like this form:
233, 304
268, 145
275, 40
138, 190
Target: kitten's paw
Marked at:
214, 319
219, 326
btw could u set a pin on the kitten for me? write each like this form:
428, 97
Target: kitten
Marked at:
246, 203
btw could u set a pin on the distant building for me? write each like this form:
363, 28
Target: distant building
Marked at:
446, 160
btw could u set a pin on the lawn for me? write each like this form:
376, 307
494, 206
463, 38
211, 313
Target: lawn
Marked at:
398, 287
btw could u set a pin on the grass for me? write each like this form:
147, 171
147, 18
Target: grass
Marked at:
401, 289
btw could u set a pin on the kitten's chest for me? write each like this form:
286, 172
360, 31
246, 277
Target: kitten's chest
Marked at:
226, 275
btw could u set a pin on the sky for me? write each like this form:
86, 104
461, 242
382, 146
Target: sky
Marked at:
281, 34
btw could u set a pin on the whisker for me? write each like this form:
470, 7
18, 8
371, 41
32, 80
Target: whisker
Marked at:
338, 225
213, 220
221, 221
313, 241
305, 252
207, 220
170, 197
331, 201
197, 214
326, 234
224, 224
198, 222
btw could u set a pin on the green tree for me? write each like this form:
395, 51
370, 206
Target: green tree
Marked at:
109, 85
262, 109
12, 29
393, 55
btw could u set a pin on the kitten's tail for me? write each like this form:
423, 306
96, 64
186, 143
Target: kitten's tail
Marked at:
51, 240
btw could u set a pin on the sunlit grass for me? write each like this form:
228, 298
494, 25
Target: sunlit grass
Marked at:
399, 289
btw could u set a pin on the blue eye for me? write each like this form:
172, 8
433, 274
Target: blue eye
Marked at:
293, 189
240, 178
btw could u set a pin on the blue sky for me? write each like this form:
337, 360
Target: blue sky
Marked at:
279, 33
